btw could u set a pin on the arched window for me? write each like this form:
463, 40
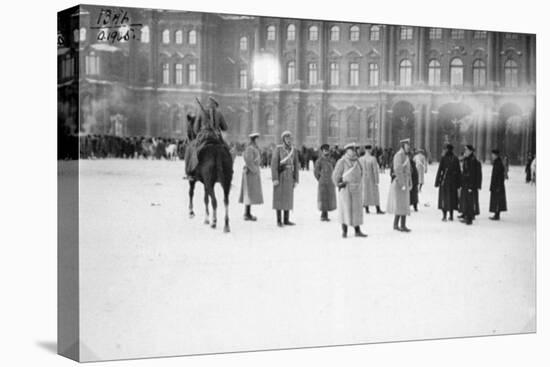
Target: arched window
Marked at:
374, 75
311, 126
434, 73
511, 74
145, 34
375, 33
436, 33
166, 36
179, 74
312, 73
192, 74
82, 35
291, 72
406, 33
334, 73
179, 37
479, 78
405, 73
270, 124
335, 33
192, 37
333, 127
354, 33
243, 79
291, 32
271, 33
354, 74
457, 72
165, 73
243, 43
313, 33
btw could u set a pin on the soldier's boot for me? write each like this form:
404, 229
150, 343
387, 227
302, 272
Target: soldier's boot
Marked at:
444, 216
358, 232
496, 216
287, 221
344, 231
324, 216
279, 220
367, 209
379, 211
404, 224
451, 215
396, 223
247, 214
415, 206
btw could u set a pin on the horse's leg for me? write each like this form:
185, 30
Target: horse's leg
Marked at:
214, 207
191, 194
206, 212
226, 204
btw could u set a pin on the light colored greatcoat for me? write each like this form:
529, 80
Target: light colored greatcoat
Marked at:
350, 207
399, 194
371, 179
251, 187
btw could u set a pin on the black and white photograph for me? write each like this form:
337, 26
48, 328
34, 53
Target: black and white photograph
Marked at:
240, 183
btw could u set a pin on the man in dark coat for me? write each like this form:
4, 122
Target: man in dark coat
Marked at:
285, 169
448, 181
470, 185
497, 202
528, 168
326, 191
415, 183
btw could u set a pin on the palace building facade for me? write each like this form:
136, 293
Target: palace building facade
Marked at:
138, 71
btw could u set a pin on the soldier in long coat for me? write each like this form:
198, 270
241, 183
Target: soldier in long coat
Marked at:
347, 176
371, 179
421, 166
414, 180
497, 202
448, 181
326, 191
470, 185
285, 168
399, 193
251, 187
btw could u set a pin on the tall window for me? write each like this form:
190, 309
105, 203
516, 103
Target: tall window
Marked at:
166, 36
436, 33
406, 33
334, 73
457, 72
374, 76
333, 126
312, 73
375, 33
354, 33
166, 73
405, 73
354, 74
311, 126
335, 33
511, 74
271, 33
313, 33
479, 78
291, 72
457, 34
291, 32
434, 73
270, 124
178, 37
480, 35
92, 64
243, 79
145, 34
243, 43
192, 74
192, 37
179, 74
76, 35
82, 34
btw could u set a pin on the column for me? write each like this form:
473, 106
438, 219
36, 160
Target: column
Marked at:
391, 52
427, 128
384, 65
323, 51
491, 58
363, 124
418, 117
489, 132
382, 125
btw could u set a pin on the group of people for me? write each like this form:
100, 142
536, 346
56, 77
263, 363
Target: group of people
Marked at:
95, 146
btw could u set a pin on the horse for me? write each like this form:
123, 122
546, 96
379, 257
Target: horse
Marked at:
215, 166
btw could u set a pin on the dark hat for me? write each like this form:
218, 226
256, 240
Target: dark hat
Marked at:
470, 147
212, 99
495, 151
368, 146
325, 147
449, 147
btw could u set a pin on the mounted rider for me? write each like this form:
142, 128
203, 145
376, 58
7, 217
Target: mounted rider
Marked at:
207, 128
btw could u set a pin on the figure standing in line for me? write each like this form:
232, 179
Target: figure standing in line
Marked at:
326, 191
447, 180
251, 187
371, 179
470, 185
285, 168
399, 193
497, 202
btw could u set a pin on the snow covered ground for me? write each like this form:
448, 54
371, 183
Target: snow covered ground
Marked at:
156, 283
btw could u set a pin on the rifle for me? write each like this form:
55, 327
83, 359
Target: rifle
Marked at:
201, 106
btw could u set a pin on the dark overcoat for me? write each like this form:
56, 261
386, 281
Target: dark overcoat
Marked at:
471, 182
415, 181
497, 202
326, 191
285, 168
448, 181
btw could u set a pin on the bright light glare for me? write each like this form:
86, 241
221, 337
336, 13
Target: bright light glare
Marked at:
266, 70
